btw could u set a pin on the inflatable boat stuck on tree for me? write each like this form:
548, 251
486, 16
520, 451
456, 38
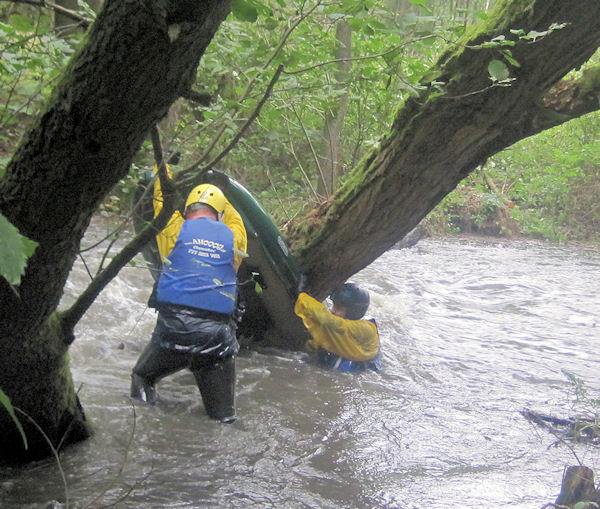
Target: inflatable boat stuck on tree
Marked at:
267, 279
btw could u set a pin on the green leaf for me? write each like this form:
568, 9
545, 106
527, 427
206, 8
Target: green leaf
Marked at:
5, 402
507, 54
367, 29
534, 34
21, 23
498, 70
15, 249
585, 505
84, 6
244, 11
557, 26
352, 6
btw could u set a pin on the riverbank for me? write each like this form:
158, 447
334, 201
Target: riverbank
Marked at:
426, 231
472, 210
520, 238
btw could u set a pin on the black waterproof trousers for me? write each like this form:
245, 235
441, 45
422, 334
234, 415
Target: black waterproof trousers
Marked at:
192, 339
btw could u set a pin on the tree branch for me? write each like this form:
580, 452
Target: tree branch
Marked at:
312, 148
434, 143
82, 20
252, 81
182, 181
299, 163
356, 59
572, 98
70, 317
166, 183
203, 99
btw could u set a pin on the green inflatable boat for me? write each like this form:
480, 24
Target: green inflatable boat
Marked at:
267, 279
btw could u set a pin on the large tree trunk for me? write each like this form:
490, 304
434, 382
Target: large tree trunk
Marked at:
139, 57
438, 138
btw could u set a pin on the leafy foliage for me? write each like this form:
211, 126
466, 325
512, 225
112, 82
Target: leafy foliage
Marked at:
549, 186
33, 58
278, 159
553, 179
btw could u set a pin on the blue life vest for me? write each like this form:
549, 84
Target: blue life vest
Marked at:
332, 361
199, 272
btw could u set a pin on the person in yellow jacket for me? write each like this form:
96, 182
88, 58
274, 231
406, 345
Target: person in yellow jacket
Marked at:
196, 299
341, 338
167, 237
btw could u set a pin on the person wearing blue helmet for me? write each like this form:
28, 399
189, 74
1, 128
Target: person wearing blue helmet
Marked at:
341, 338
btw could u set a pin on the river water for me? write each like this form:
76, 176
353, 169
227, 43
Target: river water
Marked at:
472, 332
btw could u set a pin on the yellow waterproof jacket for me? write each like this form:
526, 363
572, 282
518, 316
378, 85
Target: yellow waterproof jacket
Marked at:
166, 238
355, 340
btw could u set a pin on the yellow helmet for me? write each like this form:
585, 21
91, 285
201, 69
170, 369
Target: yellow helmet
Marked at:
208, 194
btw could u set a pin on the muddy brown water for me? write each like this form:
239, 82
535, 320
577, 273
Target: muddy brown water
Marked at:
472, 332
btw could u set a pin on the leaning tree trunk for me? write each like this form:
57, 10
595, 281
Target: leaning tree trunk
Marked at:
438, 138
139, 57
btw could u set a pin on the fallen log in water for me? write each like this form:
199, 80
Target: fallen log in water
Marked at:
572, 428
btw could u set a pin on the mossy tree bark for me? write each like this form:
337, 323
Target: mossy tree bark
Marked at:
438, 138
140, 56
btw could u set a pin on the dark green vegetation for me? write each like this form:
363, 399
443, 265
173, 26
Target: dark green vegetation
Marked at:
327, 117
271, 99
545, 186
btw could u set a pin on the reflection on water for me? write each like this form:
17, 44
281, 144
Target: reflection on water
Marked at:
472, 333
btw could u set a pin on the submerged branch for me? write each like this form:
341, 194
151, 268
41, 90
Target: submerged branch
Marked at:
579, 429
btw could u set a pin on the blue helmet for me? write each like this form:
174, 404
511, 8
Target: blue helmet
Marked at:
352, 298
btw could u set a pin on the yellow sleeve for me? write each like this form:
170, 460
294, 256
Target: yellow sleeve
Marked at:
234, 221
355, 340
167, 237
